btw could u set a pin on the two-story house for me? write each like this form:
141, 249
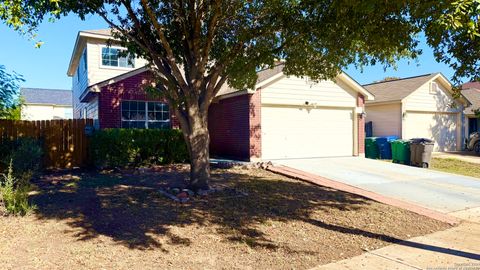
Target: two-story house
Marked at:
302, 116
106, 85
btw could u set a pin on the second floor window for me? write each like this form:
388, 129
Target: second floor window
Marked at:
112, 57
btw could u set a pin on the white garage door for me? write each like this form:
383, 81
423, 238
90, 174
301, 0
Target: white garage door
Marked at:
302, 133
440, 127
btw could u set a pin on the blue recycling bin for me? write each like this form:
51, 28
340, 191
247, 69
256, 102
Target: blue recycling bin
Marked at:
392, 138
384, 148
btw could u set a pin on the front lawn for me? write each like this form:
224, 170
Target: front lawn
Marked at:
452, 165
118, 220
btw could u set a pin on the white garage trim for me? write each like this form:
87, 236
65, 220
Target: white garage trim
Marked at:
306, 132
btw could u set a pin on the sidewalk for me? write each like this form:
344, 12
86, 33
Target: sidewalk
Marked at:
455, 248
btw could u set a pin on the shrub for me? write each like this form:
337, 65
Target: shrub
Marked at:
14, 193
134, 147
26, 155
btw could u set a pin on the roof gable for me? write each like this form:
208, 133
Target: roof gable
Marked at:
397, 90
265, 76
47, 96
80, 43
472, 95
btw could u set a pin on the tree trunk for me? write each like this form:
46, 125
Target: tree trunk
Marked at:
199, 142
195, 131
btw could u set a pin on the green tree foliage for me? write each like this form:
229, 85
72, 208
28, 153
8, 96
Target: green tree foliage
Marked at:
387, 79
10, 102
197, 46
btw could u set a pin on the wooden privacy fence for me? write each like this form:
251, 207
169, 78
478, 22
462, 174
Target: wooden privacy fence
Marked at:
64, 141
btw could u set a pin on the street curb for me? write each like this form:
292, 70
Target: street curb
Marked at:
321, 181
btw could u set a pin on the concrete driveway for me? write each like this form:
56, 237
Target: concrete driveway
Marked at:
439, 191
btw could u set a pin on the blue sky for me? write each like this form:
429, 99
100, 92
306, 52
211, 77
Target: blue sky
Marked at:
47, 67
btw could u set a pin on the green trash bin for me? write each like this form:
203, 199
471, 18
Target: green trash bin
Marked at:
401, 151
371, 148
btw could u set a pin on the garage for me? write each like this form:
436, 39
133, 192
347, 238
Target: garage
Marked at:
303, 132
417, 107
439, 127
289, 117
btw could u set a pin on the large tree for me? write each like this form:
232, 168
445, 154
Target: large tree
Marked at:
9, 94
197, 46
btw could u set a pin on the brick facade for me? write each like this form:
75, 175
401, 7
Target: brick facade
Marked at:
229, 127
255, 125
234, 122
235, 127
111, 96
361, 126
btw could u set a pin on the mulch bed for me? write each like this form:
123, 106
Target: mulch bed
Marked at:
120, 220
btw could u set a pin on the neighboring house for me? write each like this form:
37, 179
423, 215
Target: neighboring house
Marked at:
46, 104
420, 106
471, 91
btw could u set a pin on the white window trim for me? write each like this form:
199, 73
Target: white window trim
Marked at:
146, 113
85, 60
102, 66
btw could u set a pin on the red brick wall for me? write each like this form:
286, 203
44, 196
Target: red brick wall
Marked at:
361, 126
110, 97
255, 125
229, 126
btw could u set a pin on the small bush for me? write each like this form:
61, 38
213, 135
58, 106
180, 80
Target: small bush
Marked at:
14, 193
134, 147
26, 155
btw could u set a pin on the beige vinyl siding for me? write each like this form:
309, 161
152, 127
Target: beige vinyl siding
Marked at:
386, 119
423, 100
297, 91
92, 111
97, 72
292, 129
300, 132
79, 84
431, 115
45, 112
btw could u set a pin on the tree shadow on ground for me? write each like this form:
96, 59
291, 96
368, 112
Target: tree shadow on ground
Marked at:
128, 208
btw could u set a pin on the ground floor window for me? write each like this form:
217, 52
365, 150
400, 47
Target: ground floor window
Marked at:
143, 114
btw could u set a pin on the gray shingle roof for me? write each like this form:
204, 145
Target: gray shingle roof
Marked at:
263, 75
469, 85
396, 90
473, 95
105, 32
47, 96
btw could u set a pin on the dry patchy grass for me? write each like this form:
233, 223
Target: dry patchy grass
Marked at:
119, 221
452, 165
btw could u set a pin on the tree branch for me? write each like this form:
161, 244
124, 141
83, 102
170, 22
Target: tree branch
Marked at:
170, 55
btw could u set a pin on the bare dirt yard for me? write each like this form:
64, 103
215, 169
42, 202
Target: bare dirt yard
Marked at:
118, 220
